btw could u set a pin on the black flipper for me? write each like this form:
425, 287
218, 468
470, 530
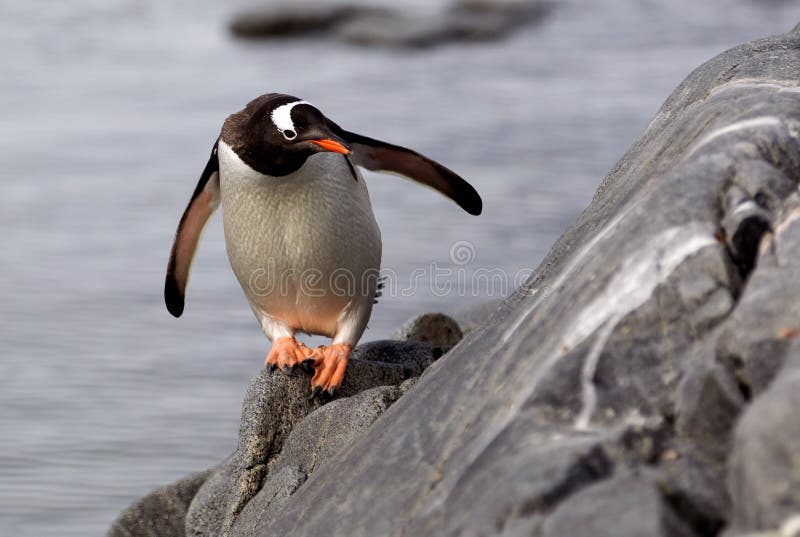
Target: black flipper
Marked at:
205, 200
382, 156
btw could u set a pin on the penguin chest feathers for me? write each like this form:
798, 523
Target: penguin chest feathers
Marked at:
304, 246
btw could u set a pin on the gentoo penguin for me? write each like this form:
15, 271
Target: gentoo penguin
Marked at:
299, 229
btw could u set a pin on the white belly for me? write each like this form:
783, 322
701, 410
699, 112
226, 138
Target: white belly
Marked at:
305, 247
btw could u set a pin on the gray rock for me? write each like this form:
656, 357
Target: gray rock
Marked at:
693, 485
206, 513
514, 11
708, 403
765, 465
476, 20
624, 506
294, 19
465, 21
274, 406
314, 441
393, 29
161, 513
438, 330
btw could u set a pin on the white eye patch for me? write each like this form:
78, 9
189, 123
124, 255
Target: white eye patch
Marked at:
282, 119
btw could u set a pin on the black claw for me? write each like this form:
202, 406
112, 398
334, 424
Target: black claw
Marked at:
273, 367
309, 362
315, 392
332, 392
308, 368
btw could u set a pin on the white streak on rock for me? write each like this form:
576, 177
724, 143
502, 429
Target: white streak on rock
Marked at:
637, 276
787, 220
629, 288
588, 393
566, 272
791, 526
757, 83
752, 123
661, 256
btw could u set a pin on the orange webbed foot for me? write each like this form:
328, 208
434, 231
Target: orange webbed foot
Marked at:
287, 353
330, 364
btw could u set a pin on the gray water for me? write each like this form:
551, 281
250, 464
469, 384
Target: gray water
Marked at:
108, 110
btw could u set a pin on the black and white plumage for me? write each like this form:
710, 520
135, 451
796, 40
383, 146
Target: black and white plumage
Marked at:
296, 209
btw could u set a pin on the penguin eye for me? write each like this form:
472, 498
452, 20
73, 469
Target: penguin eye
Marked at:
289, 134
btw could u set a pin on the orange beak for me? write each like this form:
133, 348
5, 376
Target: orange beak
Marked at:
332, 145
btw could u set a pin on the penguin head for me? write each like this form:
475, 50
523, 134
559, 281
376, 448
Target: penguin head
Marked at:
299, 126
280, 132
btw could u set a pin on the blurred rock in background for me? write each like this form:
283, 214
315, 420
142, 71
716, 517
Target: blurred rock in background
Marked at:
464, 20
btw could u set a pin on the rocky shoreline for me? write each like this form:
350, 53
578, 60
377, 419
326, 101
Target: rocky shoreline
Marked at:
644, 381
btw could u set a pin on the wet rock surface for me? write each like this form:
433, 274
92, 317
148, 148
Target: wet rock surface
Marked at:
466, 20
644, 381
